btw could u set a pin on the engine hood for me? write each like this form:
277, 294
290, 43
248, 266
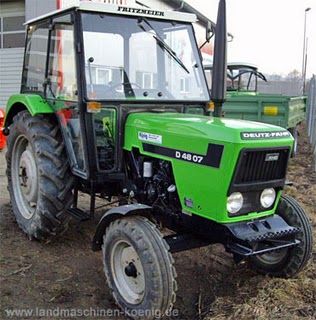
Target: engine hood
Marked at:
219, 129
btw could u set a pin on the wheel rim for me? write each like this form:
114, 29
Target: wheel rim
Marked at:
24, 177
273, 257
295, 145
128, 272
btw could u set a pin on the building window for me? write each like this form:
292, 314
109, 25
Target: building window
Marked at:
12, 33
103, 76
148, 80
184, 85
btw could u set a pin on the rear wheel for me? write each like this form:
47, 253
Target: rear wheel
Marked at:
139, 268
39, 178
288, 262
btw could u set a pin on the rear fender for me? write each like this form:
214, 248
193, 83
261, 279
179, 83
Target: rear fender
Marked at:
33, 103
117, 213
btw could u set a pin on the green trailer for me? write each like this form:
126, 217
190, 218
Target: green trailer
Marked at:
243, 101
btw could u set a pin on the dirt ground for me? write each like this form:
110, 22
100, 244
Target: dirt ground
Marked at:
65, 273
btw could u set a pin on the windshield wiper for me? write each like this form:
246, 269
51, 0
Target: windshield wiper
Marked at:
128, 90
163, 44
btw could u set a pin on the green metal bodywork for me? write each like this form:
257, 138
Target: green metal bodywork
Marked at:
206, 186
34, 103
250, 106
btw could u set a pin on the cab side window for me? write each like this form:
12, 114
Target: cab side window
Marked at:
104, 124
33, 77
61, 79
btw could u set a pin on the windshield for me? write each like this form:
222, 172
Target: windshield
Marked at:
140, 58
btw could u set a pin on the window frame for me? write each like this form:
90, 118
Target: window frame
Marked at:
49, 53
108, 71
2, 32
23, 78
49, 21
125, 101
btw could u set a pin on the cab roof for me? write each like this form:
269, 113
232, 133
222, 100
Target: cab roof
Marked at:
235, 65
135, 10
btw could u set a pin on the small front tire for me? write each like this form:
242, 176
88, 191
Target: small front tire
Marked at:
288, 262
139, 268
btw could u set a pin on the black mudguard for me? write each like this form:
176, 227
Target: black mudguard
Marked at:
116, 213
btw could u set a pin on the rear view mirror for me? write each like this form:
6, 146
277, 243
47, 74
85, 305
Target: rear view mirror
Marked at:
209, 31
209, 34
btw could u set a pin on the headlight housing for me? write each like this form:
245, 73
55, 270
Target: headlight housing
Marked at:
267, 197
235, 202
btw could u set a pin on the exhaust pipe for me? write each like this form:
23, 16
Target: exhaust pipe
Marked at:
218, 93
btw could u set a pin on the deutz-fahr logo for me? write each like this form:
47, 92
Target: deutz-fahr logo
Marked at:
141, 11
264, 135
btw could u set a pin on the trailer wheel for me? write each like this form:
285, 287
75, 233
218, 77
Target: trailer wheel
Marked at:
39, 178
295, 134
288, 262
139, 268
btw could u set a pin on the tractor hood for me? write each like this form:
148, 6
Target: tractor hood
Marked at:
191, 128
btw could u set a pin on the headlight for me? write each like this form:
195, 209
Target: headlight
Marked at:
235, 202
267, 197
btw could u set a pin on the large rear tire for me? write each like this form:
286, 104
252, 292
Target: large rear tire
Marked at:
39, 179
288, 262
139, 268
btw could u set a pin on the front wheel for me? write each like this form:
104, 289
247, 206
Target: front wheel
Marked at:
288, 262
139, 268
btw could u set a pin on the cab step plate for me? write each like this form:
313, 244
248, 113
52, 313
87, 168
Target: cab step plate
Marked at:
78, 214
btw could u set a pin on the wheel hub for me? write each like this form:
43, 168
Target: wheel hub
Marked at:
273, 257
131, 270
28, 176
128, 272
24, 177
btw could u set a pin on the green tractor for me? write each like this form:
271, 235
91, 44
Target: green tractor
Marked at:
103, 110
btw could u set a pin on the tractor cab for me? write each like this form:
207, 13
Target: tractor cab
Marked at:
240, 77
105, 61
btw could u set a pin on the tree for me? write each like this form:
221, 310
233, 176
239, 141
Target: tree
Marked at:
294, 75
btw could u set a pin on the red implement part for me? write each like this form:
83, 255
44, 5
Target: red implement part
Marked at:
2, 136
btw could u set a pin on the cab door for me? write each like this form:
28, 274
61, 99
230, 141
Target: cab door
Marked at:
61, 90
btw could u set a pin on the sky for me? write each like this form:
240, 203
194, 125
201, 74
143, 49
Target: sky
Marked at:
268, 33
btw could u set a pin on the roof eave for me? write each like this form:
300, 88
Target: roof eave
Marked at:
183, 6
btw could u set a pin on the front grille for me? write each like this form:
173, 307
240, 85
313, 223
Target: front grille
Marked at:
261, 165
